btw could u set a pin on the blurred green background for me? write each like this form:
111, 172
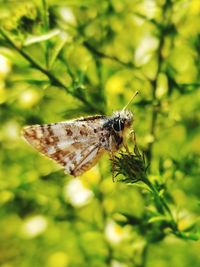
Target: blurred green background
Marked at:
64, 59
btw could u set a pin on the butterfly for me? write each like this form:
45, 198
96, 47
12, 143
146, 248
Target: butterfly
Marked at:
78, 144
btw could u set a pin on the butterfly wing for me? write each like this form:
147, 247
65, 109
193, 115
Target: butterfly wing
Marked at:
74, 145
83, 158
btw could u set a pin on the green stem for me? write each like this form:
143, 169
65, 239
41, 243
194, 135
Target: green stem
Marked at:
46, 14
160, 202
104, 217
156, 104
103, 55
54, 80
46, 28
144, 255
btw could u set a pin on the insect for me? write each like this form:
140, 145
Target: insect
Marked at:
78, 144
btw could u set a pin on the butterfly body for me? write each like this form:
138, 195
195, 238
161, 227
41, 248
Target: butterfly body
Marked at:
78, 144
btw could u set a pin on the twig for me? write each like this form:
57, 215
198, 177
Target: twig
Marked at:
103, 55
54, 80
133, 169
46, 14
156, 103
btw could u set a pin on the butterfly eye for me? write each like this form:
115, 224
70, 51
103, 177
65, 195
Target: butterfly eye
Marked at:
118, 125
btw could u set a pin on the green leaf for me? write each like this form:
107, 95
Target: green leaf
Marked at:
56, 50
157, 219
41, 38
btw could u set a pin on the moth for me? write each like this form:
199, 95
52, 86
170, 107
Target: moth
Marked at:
78, 144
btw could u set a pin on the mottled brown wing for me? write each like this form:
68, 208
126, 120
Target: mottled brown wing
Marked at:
73, 145
83, 158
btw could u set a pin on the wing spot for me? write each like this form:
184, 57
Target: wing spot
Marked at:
72, 155
69, 132
42, 129
83, 133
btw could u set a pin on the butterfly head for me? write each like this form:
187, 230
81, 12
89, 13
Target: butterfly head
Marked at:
122, 120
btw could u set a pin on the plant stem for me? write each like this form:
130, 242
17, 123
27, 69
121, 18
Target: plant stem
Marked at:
144, 255
46, 14
103, 55
46, 28
104, 217
54, 80
154, 82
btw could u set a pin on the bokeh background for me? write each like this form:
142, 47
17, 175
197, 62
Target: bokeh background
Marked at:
64, 59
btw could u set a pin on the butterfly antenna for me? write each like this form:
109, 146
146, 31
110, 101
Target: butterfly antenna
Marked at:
134, 95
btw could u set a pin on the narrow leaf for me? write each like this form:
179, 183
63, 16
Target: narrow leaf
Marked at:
41, 38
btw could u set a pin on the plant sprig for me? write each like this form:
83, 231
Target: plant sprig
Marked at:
133, 168
75, 90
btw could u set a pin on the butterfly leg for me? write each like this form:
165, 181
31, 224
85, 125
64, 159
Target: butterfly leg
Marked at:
124, 144
113, 165
126, 147
111, 154
133, 136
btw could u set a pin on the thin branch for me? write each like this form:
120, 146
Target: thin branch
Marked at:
144, 255
54, 80
46, 28
46, 14
103, 55
153, 21
132, 166
109, 257
156, 104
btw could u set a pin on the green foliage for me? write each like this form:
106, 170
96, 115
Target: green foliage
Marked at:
64, 59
